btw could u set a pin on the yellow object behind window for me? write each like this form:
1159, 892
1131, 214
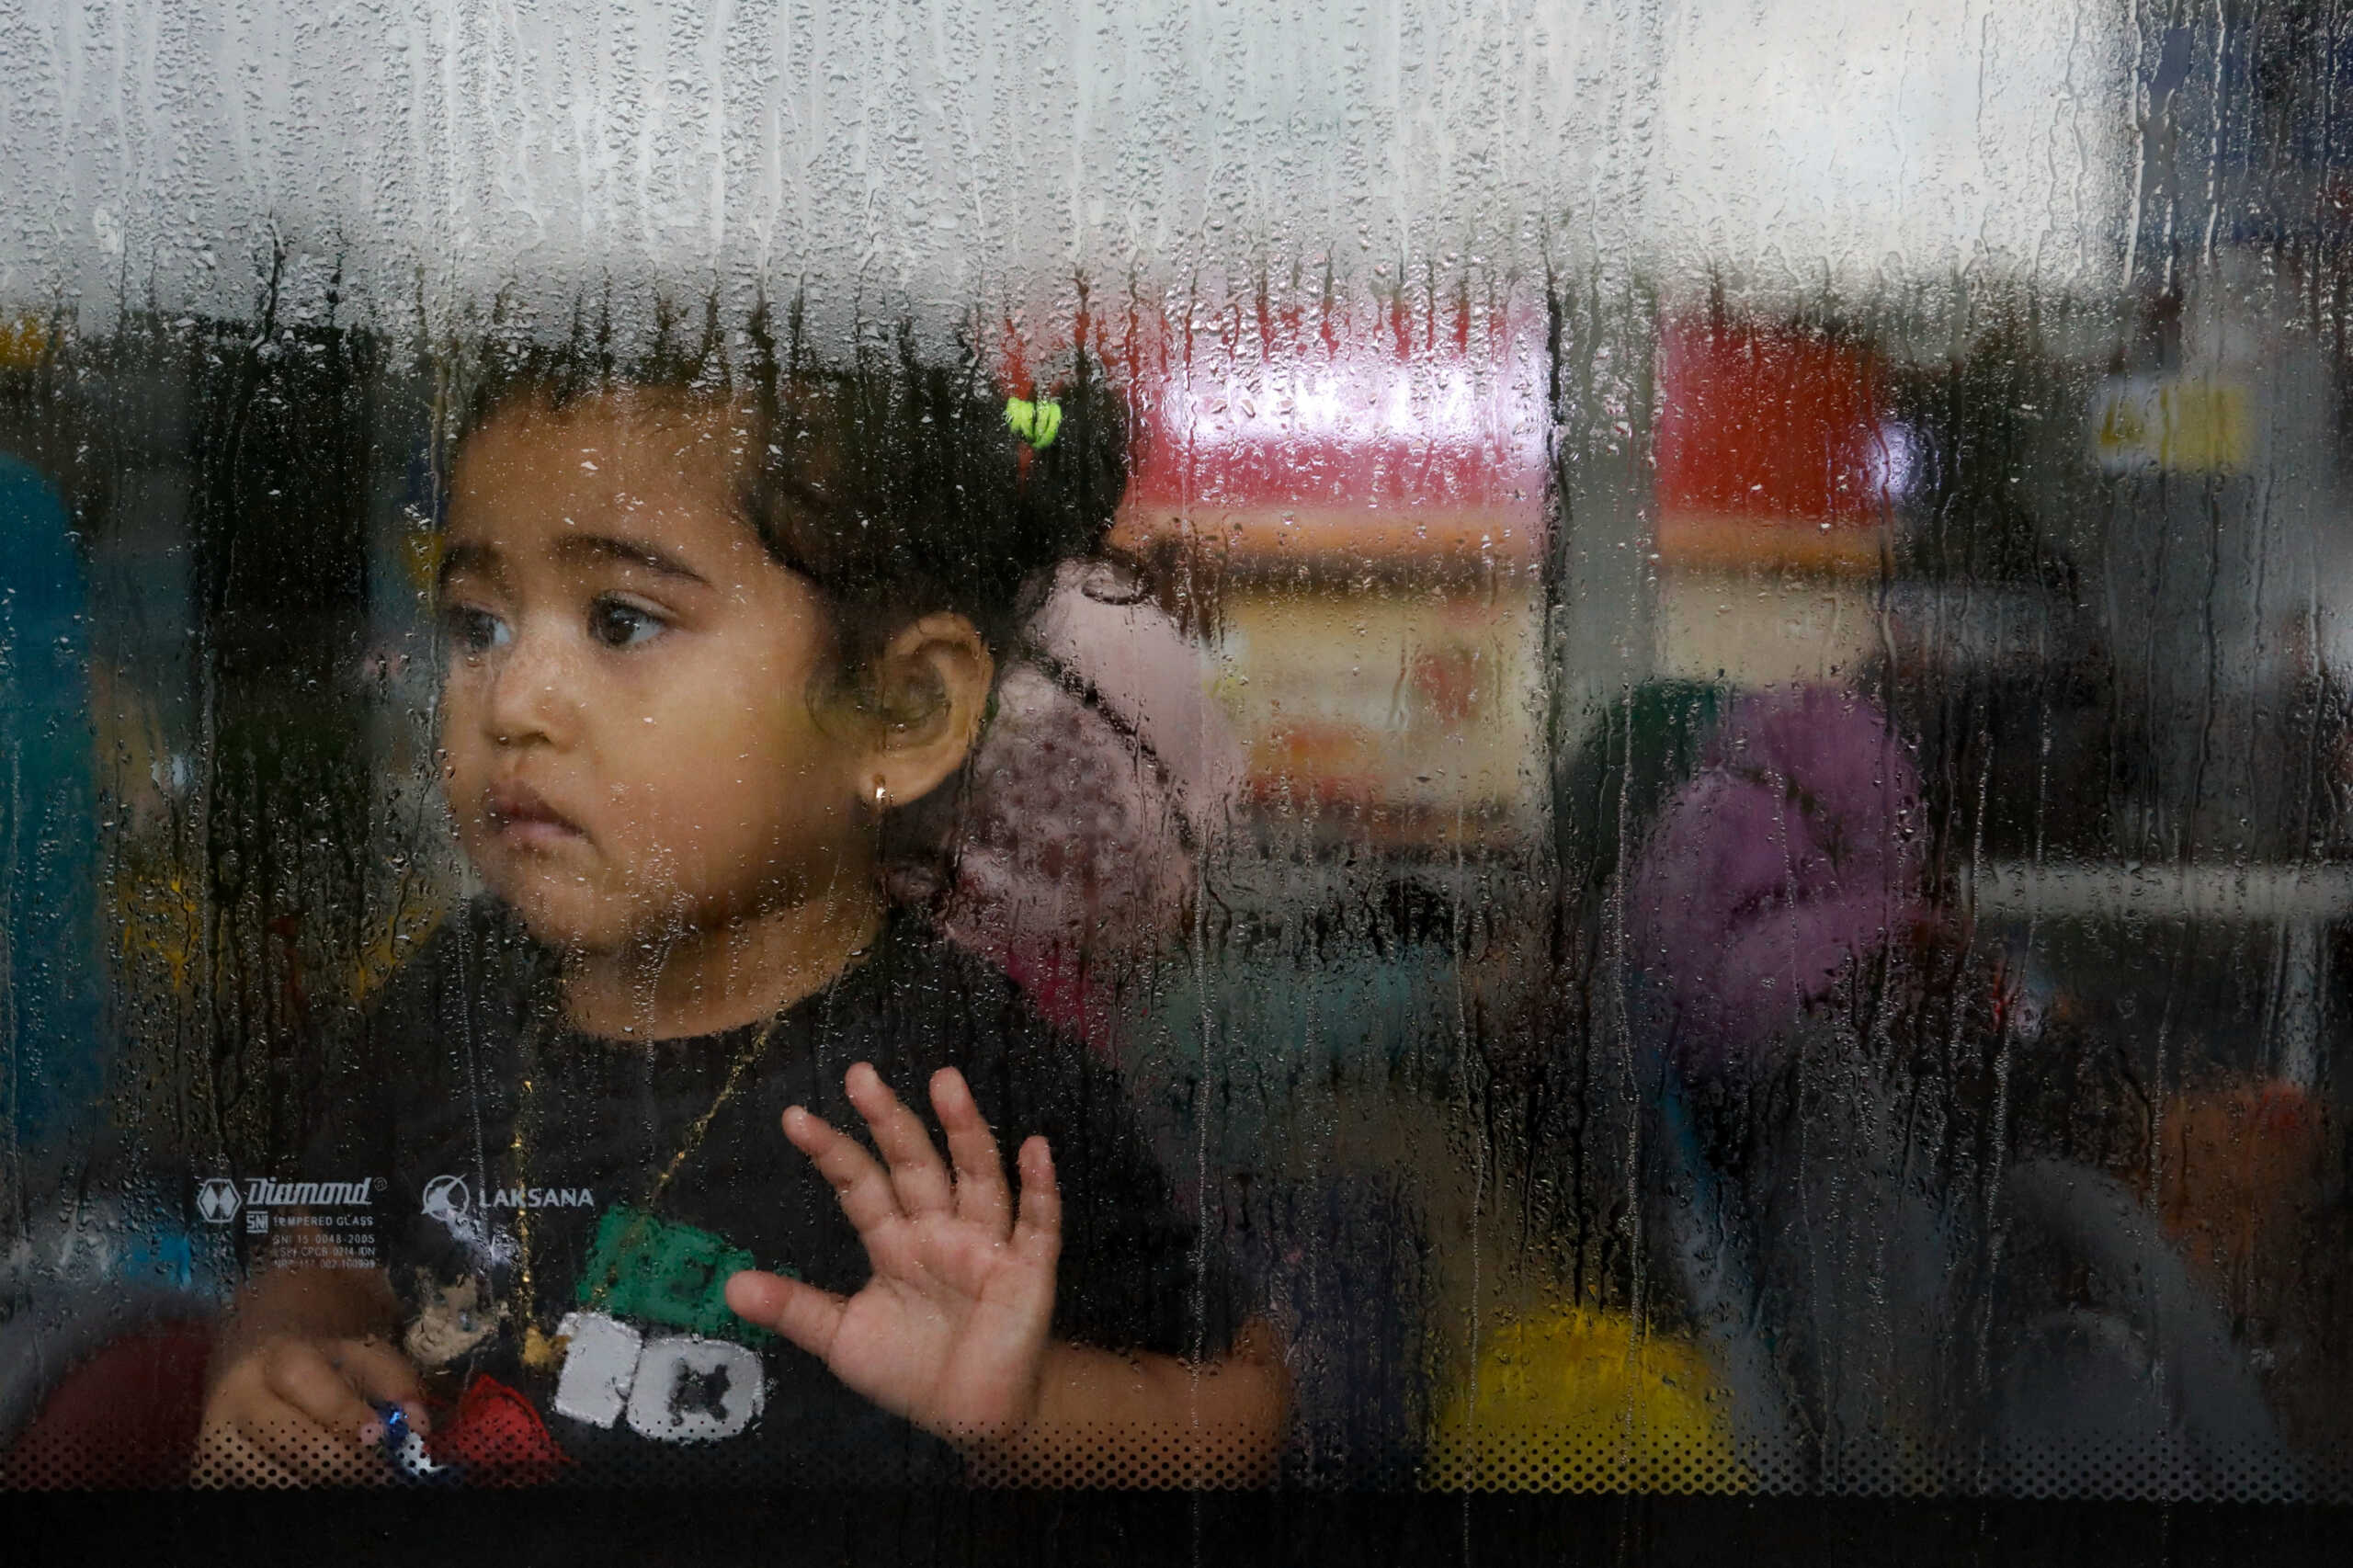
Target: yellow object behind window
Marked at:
1585, 1401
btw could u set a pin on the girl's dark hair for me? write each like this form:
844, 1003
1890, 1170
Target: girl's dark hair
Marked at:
890, 480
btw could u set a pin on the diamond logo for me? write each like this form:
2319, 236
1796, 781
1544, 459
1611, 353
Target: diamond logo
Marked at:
217, 1200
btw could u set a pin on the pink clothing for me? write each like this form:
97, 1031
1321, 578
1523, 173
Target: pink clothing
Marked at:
1795, 848
1104, 774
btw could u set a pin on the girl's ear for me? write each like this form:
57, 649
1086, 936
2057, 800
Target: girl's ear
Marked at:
928, 689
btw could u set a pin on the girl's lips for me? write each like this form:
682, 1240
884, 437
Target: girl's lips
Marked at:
518, 815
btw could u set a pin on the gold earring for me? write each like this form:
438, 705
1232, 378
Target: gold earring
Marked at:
882, 796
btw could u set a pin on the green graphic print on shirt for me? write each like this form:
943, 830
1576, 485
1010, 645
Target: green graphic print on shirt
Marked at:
699, 1386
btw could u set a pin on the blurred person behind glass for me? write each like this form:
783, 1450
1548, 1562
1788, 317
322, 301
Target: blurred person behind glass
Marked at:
1878, 1252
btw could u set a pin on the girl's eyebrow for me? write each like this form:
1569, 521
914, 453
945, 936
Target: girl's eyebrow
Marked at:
634, 552
481, 560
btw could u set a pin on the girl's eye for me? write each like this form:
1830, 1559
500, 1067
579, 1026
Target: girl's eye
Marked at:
474, 630
618, 623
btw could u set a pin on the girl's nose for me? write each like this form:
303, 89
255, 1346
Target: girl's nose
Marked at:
531, 694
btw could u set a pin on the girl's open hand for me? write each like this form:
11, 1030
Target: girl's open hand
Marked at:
951, 1331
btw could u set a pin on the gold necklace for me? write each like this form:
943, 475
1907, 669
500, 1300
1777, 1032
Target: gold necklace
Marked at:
543, 1351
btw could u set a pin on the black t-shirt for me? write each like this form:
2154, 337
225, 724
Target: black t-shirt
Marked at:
658, 1382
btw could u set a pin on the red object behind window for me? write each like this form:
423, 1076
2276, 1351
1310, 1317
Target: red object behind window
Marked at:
125, 1418
498, 1438
1766, 435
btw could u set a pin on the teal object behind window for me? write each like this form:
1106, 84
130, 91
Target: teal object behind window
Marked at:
51, 982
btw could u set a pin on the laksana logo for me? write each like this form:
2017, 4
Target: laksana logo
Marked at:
449, 1198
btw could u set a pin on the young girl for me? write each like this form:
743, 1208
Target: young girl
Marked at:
705, 635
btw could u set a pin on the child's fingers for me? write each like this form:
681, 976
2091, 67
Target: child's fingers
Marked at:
270, 1443
383, 1374
1038, 1234
981, 1197
861, 1183
803, 1313
289, 1443
302, 1375
226, 1456
916, 1174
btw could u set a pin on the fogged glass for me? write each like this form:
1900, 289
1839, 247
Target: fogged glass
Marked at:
1647, 785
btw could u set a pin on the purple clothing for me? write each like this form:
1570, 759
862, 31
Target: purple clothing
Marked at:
1795, 848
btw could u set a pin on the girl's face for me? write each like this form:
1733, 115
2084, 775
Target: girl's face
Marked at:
628, 743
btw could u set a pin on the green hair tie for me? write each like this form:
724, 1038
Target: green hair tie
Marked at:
1037, 423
